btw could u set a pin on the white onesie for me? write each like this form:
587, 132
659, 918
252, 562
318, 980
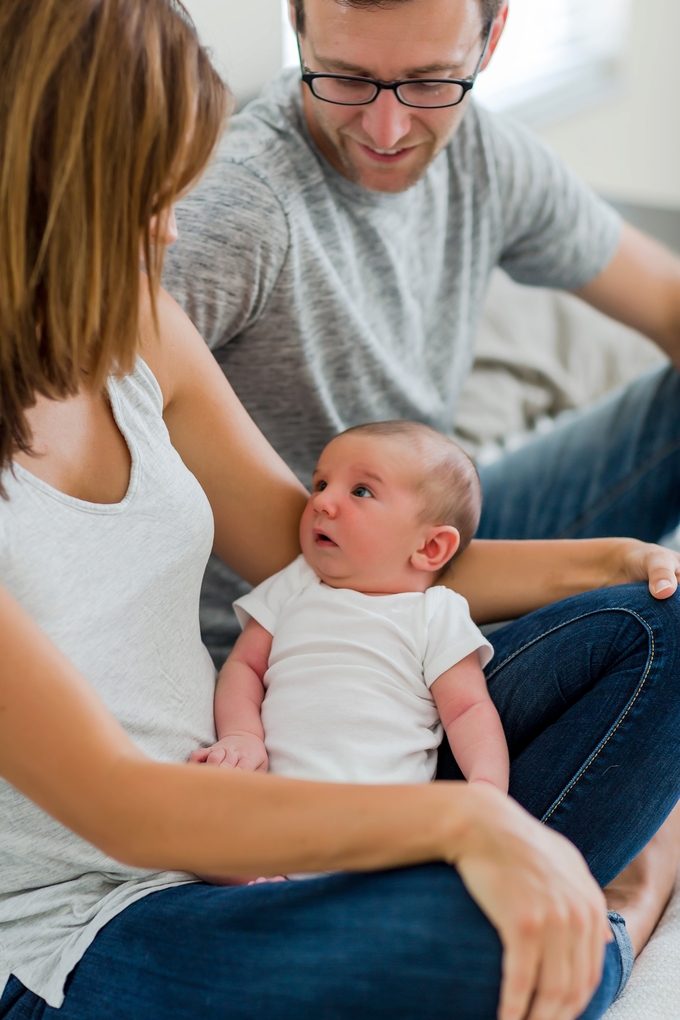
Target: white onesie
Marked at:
348, 685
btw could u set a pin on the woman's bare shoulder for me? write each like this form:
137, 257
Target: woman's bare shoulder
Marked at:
169, 343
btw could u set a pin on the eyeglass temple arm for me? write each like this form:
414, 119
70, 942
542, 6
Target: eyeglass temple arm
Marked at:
484, 51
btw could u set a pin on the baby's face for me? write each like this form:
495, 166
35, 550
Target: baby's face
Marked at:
360, 526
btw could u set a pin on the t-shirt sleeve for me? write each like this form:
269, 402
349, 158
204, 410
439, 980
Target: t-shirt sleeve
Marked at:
233, 240
264, 603
451, 634
555, 231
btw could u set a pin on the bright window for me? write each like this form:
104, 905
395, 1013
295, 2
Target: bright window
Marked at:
555, 56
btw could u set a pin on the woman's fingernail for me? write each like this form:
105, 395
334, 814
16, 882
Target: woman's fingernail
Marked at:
662, 585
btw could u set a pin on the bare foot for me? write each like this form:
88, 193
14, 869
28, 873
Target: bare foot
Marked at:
642, 890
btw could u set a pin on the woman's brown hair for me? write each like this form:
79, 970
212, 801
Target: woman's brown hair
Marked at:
109, 109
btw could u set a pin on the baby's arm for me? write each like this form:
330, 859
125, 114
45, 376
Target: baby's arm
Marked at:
238, 699
472, 723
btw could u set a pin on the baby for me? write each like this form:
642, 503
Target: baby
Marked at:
352, 658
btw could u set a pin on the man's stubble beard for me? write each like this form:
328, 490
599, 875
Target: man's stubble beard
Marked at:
338, 145
349, 168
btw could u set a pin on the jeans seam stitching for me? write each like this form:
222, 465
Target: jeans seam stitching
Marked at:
605, 740
547, 633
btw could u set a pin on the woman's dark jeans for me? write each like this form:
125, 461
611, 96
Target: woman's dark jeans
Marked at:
589, 693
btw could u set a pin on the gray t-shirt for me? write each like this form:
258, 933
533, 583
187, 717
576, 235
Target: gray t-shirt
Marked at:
328, 305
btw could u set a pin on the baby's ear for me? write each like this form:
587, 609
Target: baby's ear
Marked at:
439, 545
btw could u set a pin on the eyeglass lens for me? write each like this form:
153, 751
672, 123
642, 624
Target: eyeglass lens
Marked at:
350, 92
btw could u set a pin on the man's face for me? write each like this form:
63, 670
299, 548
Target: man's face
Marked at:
386, 146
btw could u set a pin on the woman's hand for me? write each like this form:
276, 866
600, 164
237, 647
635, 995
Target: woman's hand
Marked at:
659, 566
536, 889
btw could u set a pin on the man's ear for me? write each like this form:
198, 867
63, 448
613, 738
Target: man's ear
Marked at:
438, 546
496, 33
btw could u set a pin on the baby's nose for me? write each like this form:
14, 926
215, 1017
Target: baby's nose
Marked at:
324, 503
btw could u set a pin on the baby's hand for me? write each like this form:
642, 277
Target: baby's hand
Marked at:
238, 751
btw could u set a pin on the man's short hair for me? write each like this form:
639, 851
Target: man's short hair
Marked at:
449, 482
490, 9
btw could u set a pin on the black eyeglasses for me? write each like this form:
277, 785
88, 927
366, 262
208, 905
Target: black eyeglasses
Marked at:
422, 93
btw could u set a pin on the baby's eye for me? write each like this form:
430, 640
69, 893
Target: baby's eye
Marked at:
362, 491
320, 486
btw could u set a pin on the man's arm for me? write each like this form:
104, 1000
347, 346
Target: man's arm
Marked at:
641, 288
502, 580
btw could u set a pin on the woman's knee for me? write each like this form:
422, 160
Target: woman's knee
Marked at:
394, 944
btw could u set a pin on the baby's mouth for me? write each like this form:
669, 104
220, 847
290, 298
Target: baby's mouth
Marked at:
321, 540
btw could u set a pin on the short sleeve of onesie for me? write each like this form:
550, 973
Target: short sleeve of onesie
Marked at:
264, 603
451, 634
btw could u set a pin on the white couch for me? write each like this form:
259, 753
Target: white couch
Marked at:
653, 992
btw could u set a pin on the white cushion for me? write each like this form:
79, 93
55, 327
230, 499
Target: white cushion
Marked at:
653, 991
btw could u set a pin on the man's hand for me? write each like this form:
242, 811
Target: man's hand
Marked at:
242, 751
537, 891
642, 561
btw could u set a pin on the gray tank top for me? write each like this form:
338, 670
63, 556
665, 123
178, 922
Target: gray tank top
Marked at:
116, 588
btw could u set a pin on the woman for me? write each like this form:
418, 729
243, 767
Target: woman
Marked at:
110, 403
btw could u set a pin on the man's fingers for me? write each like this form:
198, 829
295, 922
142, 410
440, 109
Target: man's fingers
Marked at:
662, 587
662, 568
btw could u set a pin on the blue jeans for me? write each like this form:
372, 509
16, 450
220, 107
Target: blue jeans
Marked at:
589, 694
612, 469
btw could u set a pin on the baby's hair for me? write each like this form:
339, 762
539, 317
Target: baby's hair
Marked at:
450, 484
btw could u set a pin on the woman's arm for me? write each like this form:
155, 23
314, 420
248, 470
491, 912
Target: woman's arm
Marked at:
504, 580
256, 499
60, 747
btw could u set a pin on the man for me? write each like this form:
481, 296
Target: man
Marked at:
336, 258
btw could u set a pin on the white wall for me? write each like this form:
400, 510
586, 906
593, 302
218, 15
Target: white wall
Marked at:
629, 147
245, 37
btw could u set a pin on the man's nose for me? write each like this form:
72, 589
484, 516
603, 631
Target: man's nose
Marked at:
386, 121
